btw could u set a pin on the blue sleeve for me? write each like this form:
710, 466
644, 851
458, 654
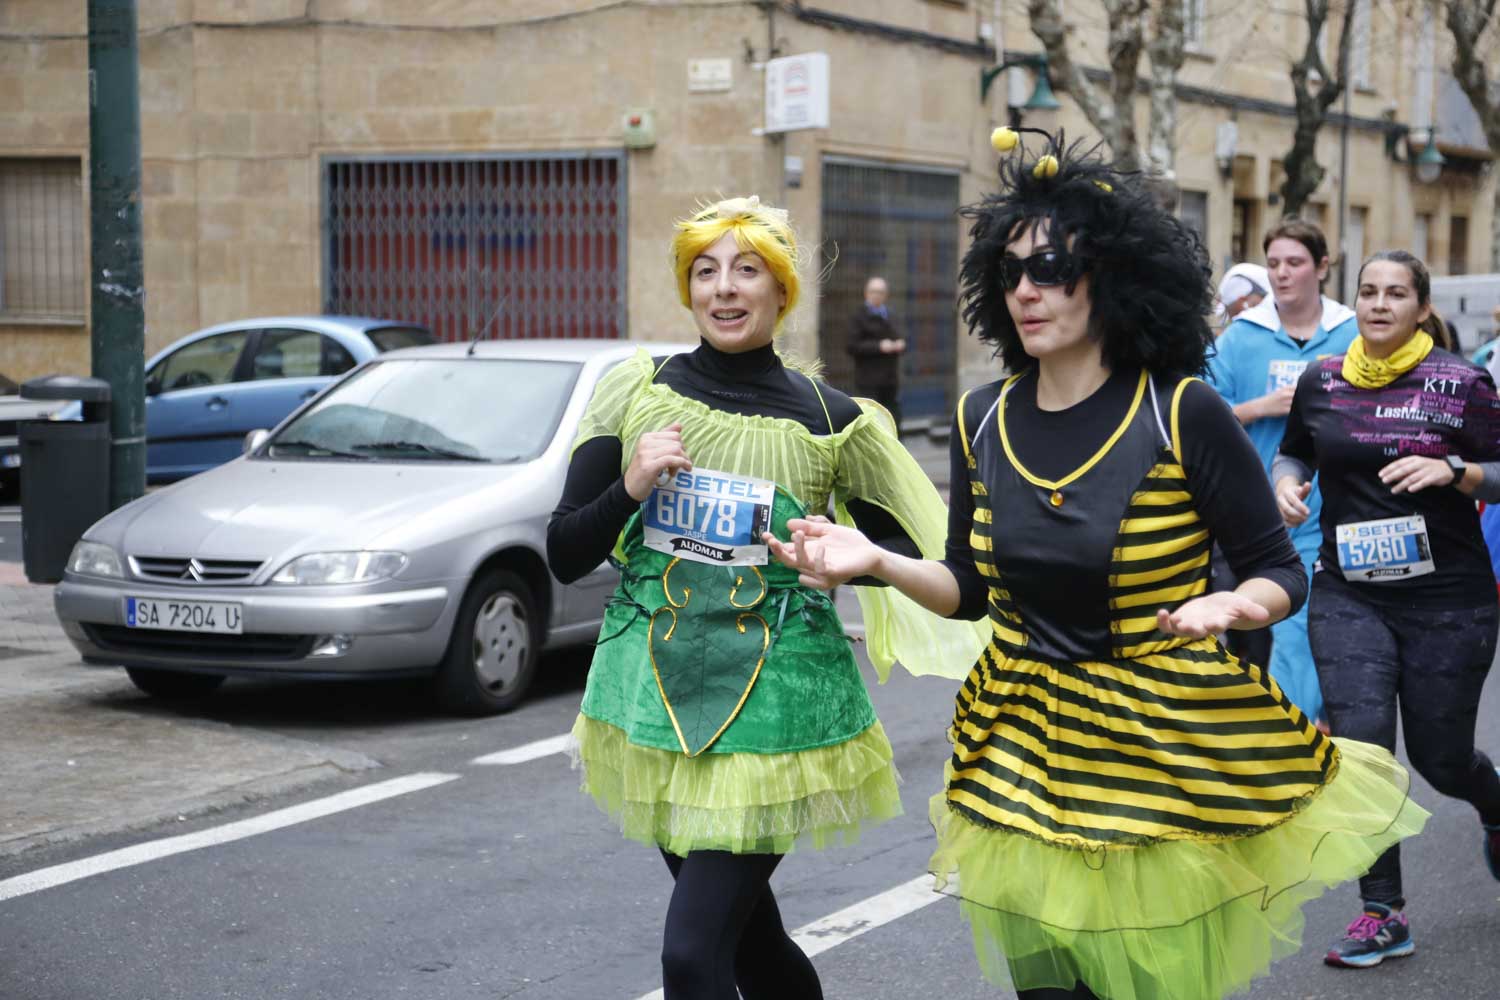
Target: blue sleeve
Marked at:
1221, 365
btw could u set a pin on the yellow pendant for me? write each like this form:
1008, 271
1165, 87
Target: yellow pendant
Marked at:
1056, 498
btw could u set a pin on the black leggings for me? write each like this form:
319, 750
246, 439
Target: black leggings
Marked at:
1079, 992
724, 931
1369, 657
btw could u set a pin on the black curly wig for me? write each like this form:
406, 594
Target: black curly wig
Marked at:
1149, 279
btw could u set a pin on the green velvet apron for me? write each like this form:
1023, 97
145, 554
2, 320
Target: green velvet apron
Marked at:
696, 659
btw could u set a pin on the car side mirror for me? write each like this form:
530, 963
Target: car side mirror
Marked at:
254, 440
153, 385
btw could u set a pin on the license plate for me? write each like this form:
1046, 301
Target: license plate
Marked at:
183, 616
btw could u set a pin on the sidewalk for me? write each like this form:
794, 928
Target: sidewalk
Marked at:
83, 753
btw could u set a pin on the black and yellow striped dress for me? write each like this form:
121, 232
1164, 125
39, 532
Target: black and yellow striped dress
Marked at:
1133, 810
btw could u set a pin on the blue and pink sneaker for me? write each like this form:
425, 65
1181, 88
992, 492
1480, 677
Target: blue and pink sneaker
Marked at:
1378, 934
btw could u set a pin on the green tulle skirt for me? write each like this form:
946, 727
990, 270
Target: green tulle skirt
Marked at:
746, 803
1174, 920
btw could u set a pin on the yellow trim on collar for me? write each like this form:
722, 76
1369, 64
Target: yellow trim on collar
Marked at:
1135, 404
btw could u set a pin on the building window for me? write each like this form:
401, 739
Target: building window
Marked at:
1420, 231
1242, 236
1194, 20
1359, 54
496, 247
42, 240
1354, 249
1424, 79
1192, 209
1458, 244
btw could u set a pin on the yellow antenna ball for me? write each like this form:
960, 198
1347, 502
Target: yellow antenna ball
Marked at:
1004, 139
1046, 167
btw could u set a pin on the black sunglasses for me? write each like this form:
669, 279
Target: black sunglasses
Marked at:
1047, 267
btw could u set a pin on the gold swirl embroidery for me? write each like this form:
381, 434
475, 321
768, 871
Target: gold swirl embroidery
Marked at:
666, 586
739, 624
736, 589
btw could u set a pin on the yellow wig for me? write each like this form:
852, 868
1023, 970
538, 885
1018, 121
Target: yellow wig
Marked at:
758, 229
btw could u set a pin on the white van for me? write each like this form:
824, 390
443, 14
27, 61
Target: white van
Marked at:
1467, 301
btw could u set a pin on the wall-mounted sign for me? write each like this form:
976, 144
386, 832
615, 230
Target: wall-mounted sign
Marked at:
797, 92
706, 76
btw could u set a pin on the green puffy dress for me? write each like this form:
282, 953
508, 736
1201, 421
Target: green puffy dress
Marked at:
724, 708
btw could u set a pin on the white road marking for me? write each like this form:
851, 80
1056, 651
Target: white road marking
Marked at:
852, 921
526, 751
47, 878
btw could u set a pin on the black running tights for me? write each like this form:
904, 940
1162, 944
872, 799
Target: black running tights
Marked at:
1079, 992
1433, 662
724, 931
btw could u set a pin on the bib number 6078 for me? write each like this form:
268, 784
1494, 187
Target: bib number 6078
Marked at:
687, 512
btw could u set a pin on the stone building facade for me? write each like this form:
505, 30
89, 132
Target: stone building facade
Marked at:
514, 166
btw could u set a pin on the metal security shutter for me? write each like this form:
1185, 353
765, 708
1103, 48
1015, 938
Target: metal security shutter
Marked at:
537, 242
900, 223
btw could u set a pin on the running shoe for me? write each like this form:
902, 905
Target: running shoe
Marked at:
1377, 934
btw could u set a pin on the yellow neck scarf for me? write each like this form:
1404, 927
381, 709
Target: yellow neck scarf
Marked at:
1371, 373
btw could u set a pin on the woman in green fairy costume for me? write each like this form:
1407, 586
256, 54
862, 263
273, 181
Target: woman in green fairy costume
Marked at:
725, 719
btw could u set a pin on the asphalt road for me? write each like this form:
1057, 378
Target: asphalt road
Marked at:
501, 880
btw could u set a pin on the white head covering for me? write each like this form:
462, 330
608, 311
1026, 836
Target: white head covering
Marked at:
1239, 281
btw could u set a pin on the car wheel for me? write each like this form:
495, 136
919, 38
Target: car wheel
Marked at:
492, 653
172, 685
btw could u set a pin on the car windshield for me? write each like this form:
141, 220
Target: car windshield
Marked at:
436, 410
388, 338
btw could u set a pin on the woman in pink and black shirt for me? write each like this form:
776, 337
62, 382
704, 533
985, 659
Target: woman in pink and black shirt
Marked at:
1405, 437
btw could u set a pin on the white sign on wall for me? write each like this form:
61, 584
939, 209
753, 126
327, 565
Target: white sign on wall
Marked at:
710, 75
797, 92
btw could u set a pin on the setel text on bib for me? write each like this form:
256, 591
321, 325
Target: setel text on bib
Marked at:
710, 517
1392, 548
1283, 373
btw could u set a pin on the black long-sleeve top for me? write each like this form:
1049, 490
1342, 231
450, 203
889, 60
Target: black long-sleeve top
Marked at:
1224, 474
595, 505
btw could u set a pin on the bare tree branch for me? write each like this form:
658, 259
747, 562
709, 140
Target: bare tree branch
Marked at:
1112, 110
1303, 172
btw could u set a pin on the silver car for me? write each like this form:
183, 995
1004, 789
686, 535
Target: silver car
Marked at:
396, 525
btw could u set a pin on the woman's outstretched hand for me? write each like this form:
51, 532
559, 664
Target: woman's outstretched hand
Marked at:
1212, 614
824, 554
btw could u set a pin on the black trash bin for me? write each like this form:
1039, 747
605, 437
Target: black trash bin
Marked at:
64, 473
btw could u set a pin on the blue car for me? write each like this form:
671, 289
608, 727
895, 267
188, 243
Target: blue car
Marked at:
209, 389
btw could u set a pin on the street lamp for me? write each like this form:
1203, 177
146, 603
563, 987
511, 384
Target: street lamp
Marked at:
1429, 162
1042, 98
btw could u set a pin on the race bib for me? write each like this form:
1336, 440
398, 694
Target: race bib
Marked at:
1394, 548
1284, 372
710, 517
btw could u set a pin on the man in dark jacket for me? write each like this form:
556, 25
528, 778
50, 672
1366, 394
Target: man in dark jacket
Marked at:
877, 348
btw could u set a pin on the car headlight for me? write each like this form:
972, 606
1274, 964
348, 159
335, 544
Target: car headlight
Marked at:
94, 559
340, 567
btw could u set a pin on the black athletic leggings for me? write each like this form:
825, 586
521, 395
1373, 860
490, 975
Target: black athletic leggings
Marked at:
724, 931
1371, 656
1079, 992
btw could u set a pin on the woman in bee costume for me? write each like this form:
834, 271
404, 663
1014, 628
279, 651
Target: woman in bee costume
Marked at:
725, 719
1130, 812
